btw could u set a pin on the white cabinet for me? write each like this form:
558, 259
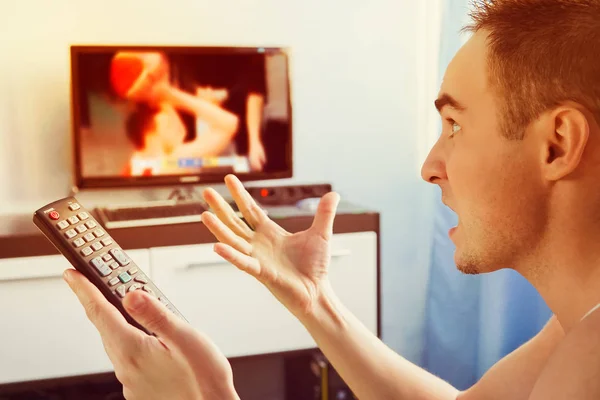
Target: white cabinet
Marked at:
44, 332
239, 313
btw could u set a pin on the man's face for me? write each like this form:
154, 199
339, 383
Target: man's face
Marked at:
492, 183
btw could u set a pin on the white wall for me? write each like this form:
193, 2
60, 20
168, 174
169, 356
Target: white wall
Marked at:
355, 69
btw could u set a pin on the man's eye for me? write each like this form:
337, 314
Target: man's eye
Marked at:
454, 127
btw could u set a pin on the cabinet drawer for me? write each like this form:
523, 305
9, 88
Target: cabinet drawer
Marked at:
44, 332
240, 314
353, 274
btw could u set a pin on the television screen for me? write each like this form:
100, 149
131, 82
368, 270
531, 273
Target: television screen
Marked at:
167, 115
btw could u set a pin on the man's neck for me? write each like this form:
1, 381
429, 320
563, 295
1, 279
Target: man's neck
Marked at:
566, 273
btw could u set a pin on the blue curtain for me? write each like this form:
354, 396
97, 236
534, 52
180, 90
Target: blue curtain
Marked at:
471, 321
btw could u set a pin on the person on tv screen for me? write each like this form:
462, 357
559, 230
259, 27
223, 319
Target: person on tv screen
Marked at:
239, 81
155, 125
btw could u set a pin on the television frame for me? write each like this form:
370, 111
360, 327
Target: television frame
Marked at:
81, 182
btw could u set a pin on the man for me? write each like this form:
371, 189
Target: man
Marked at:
518, 160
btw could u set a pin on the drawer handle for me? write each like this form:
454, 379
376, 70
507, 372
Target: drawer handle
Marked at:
209, 263
341, 253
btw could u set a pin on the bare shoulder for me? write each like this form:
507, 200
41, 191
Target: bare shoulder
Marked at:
514, 376
573, 370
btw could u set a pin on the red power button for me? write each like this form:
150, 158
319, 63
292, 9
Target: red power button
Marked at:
54, 215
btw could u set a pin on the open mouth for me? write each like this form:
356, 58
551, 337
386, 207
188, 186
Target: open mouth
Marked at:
452, 230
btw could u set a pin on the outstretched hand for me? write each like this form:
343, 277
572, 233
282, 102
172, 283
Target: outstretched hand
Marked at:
292, 266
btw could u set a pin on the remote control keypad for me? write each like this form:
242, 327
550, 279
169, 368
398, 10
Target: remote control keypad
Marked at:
80, 229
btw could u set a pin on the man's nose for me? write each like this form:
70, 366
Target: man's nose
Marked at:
434, 167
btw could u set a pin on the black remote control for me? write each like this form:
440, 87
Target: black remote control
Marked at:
82, 240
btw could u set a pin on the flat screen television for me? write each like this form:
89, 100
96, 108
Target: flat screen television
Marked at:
171, 115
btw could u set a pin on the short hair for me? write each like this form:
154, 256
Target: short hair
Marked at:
139, 122
541, 54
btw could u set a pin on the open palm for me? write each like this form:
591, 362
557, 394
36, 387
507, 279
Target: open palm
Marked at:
291, 266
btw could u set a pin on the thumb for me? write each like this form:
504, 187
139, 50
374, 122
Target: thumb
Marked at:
151, 314
323, 222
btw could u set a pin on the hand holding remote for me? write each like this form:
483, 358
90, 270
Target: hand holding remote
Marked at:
177, 363
155, 352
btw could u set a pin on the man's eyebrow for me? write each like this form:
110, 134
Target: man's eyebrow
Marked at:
446, 100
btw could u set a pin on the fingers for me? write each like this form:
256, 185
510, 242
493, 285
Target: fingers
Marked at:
250, 210
325, 215
153, 315
109, 322
242, 261
226, 214
224, 234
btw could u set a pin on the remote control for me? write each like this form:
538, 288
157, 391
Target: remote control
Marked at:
89, 248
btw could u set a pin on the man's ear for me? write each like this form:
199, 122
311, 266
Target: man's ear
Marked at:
567, 136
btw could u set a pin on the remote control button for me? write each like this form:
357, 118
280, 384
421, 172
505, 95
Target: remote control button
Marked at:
106, 257
135, 286
141, 279
74, 207
70, 234
86, 251
133, 271
79, 242
54, 215
96, 262
62, 224
114, 265
100, 266
121, 290
97, 246
99, 232
114, 281
89, 237
120, 256
91, 224
124, 277
107, 241
73, 220
147, 289
83, 215
81, 228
